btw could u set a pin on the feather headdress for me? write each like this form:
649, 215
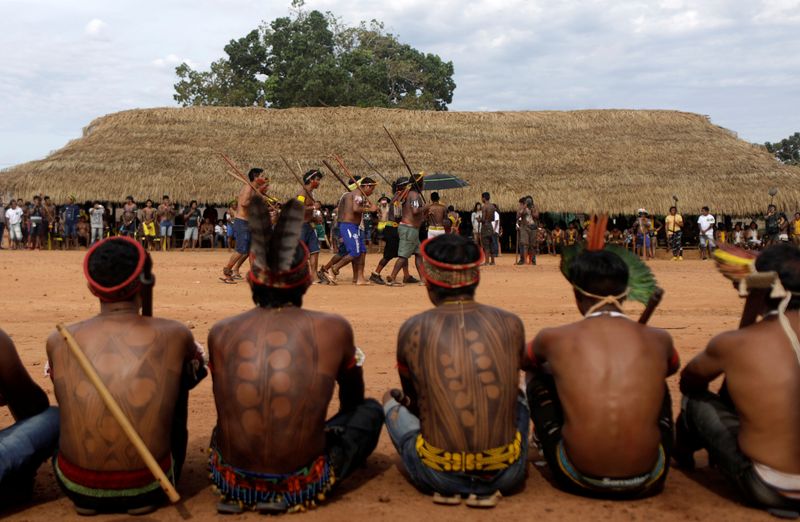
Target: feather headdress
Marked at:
278, 258
641, 283
735, 263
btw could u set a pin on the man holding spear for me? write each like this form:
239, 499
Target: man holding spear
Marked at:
351, 208
241, 231
138, 364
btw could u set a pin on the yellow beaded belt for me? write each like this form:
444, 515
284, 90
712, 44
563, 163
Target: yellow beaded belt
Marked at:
488, 460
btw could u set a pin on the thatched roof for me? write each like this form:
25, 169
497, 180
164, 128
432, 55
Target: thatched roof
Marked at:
610, 160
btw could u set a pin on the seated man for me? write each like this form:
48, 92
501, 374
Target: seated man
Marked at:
148, 365
460, 423
274, 369
751, 430
34, 435
599, 404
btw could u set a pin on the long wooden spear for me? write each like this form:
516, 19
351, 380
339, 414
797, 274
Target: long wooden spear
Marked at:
325, 162
297, 178
370, 165
119, 415
403, 157
237, 174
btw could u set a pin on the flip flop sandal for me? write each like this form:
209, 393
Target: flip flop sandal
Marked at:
86, 512
229, 508
474, 501
395, 283
227, 281
442, 500
784, 513
237, 277
323, 276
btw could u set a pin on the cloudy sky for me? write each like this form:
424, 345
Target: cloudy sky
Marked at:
64, 63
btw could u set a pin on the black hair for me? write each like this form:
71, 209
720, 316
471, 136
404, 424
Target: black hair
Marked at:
456, 250
705, 208
113, 262
783, 258
522, 199
475, 208
165, 197
451, 208
599, 272
148, 199
311, 175
434, 196
254, 173
485, 196
368, 181
193, 202
673, 207
130, 198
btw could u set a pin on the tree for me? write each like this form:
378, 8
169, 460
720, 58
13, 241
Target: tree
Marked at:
313, 59
788, 150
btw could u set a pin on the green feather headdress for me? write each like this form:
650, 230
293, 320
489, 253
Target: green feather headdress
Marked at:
641, 282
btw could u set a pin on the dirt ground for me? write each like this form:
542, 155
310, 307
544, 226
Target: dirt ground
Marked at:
40, 289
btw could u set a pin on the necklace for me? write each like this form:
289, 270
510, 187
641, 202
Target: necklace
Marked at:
609, 313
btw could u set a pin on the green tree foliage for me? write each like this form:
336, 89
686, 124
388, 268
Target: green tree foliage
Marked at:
788, 150
312, 59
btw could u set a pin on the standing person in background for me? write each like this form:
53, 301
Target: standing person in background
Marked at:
477, 211
36, 216
454, 220
14, 221
96, 219
706, 224
308, 234
70, 214
129, 214
796, 229
487, 228
435, 213
166, 215
674, 223
783, 228
49, 215
191, 219
148, 218
2, 222
771, 226
527, 218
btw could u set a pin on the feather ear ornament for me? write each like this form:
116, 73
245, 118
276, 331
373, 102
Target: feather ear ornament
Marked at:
279, 258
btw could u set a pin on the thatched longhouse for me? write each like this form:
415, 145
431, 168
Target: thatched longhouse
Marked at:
610, 160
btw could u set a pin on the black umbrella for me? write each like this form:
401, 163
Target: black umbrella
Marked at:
442, 181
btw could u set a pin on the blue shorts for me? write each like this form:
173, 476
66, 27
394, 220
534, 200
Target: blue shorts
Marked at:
241, 231
353, 239
166, 228
309, 236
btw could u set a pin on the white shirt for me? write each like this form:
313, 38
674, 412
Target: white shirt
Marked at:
14, 216
706, 222
496, 222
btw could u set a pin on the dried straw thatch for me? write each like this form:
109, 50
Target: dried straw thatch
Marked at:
611, 160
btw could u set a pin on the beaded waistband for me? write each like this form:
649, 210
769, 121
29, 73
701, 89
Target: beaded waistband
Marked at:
494, 459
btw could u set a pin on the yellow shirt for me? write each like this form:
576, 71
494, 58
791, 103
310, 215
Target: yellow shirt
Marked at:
797, 227
674, 223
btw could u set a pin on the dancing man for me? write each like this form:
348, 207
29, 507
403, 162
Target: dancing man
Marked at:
352, 206
391, 221
311, 181
274, 369
460, 423
408, 231
241, 232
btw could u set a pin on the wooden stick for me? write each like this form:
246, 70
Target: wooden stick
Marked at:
325, 162
370, 165
267, 199
652, 304
118, 414
403, 157
299, 180
352, 178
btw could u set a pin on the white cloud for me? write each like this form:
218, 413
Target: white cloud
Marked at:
96, 29
171, 61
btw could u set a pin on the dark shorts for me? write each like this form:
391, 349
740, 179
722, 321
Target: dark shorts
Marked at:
70, 229
241, 232
548, 419
709, 421
392, 239
309, 236
24, 446
353, 239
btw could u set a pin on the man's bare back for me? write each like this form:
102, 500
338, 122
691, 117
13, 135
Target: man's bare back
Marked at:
609, 373
436, 213
763, 378
243, 199
351, 207
274, 373
141, 360
465, 361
